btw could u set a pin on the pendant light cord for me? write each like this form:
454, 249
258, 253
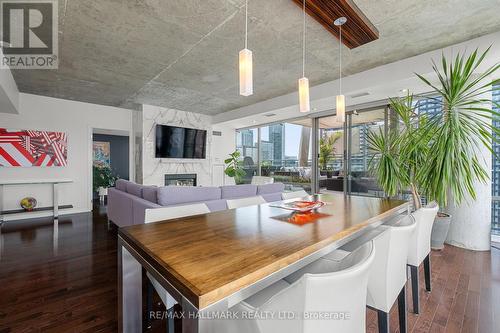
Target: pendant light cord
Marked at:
304, 40
246, 24
340, 61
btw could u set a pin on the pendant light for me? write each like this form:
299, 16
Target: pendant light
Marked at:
246, 63
304, 103
340, 98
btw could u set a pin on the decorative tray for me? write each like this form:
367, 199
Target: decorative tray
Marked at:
300, 206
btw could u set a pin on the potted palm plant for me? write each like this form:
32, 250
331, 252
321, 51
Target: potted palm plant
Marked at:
436, 155
462, 128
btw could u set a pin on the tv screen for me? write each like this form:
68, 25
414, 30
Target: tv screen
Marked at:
180, 142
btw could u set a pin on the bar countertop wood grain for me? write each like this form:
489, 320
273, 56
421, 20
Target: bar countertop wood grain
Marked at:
209, 257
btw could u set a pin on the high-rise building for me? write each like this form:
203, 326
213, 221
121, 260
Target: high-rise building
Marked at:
429, 106
277, 139
246, 144
266, 151
247, 138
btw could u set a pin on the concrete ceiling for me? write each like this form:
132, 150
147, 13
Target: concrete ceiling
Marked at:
183, 54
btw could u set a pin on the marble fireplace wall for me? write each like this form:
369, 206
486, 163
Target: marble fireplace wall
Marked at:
154, 169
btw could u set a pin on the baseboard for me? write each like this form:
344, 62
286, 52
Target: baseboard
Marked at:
35, 215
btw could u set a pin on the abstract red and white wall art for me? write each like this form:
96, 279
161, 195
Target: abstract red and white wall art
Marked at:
27, 148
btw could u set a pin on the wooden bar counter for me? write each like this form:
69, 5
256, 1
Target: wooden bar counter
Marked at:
211, 262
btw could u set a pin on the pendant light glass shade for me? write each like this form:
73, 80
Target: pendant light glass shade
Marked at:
304, 104
246, 72
340, 108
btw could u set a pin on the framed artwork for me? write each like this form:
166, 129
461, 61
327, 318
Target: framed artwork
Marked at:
28, 148
101, 154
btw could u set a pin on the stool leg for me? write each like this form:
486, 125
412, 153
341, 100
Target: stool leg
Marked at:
383, 321
414, 288
402, 310
427, 272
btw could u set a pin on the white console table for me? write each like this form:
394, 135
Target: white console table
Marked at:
54, 182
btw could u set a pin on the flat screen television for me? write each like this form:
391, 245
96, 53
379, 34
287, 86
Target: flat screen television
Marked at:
180, 142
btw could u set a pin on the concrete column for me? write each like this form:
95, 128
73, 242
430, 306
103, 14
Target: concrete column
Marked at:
471, 221
136, 142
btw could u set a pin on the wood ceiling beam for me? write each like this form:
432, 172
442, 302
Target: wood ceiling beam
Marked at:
357, 31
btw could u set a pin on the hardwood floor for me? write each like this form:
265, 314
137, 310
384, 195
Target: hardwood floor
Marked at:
68, 283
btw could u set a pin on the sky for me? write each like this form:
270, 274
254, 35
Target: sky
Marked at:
292, 138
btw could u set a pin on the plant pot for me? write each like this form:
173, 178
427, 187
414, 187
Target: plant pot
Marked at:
440, 230
103, 191
329, 174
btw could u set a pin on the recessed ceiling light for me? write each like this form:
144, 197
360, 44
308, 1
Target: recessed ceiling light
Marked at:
404, 91
365, 93
270, 115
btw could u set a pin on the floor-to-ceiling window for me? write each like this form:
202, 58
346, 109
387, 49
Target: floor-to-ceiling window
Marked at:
285, 153
360, 156
429, 106
281, 151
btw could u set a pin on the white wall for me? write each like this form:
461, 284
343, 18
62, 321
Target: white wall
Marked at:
77, 120
222, 146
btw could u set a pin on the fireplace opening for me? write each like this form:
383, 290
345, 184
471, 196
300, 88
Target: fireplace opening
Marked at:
188, 179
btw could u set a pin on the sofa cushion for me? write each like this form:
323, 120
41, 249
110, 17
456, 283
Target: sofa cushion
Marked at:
216, 205
175, 195
120, 207
121, 184
149, 193
238, 191
139, 207
270, 188
134, 189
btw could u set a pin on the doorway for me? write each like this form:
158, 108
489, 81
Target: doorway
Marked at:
110, 161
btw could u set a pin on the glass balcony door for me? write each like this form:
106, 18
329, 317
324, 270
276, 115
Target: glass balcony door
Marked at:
331, 159
343, 153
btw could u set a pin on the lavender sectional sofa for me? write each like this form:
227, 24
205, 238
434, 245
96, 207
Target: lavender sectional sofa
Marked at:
128, 200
